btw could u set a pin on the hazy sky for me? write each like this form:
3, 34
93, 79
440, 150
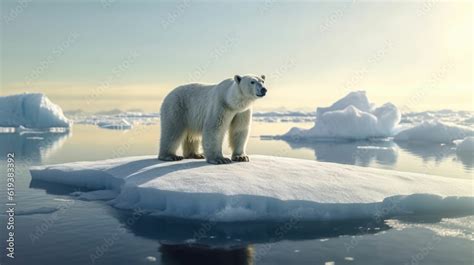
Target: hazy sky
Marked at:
100, 55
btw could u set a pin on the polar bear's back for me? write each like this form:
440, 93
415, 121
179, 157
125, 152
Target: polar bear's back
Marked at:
190, 103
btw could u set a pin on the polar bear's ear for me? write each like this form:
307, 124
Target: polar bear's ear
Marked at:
263, 77
237, 78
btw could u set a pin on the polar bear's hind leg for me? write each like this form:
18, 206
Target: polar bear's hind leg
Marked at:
172, 135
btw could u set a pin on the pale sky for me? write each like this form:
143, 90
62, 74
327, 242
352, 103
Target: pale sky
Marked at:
101, 55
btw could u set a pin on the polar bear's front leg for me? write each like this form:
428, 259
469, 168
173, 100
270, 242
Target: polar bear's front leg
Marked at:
238, 135
213, 138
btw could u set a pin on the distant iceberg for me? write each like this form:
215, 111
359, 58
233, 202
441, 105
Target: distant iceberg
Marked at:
434, 132
448, 116
31, 110
283, 116
267, 188
120, 124
352, 117
115, 119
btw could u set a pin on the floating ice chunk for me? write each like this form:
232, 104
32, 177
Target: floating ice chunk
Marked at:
267, 188
352, 117
7, 129
151, 259
31, 110
435, 132
121, 124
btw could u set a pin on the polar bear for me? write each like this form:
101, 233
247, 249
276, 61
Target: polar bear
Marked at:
192, 111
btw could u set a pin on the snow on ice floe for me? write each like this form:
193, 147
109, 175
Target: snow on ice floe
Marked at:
434, 132
31, 110
267, 188
352, 117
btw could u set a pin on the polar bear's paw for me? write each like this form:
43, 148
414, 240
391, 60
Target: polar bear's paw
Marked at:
240, 158
219, 160
171, 158
195, 156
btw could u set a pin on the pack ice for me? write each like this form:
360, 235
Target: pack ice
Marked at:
351, 117
267, 188
31, 110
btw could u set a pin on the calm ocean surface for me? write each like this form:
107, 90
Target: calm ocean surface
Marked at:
92, 232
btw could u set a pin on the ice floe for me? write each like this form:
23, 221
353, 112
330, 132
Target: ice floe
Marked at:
434, 132
267, 188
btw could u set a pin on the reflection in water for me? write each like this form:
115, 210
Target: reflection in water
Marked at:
195, 255
35, 146
361, 153
206, 242
364, 153
233, 235
428, 151
438, 153
466, 159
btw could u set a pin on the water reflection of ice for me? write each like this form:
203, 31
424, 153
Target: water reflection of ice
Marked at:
202, 235
198, 242
466, 159
33, 146
428, 151
361, 153
364, 153
187, 254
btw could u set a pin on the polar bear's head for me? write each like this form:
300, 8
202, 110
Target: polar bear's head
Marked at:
251, 85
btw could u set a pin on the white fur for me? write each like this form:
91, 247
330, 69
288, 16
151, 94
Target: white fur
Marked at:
194, 110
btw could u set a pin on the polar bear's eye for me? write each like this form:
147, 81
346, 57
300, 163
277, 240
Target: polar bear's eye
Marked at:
252, 82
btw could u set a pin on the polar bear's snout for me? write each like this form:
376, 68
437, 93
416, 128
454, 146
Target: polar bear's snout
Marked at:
262, 92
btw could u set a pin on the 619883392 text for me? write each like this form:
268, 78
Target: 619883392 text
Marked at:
10, 206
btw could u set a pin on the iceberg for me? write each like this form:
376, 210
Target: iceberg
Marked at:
31, 110
267, 188
434, 132
352, 117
